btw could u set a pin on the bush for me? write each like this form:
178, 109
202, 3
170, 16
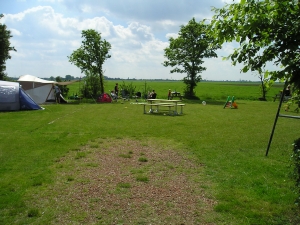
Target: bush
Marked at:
295, 157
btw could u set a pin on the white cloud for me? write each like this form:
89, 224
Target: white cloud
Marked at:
15, 32
48, 31
173, 35
230, 1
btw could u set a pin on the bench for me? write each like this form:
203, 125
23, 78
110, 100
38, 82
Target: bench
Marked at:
177, 96
168, 105
181, 107
285, 98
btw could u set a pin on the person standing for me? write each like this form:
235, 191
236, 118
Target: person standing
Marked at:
169, 95
57, 94
117, 89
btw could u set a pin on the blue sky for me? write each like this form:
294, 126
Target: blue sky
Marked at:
46, 32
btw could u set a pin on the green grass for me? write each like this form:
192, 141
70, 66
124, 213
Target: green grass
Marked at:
207, 91
142, 178
143, 159
124, 185
249, 187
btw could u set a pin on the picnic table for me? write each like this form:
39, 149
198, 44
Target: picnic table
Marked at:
278, 96
156, 104
176, 94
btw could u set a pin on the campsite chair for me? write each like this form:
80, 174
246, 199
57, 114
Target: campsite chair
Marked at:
137, 96
113, 96
125, 96
285, 98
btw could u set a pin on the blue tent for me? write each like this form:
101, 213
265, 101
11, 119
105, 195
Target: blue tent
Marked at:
13, 98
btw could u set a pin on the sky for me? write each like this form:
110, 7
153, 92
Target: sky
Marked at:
46, 32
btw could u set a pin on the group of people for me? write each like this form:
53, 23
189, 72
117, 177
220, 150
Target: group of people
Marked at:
115, 93
152, 95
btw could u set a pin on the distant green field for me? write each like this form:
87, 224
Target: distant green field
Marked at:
205, 90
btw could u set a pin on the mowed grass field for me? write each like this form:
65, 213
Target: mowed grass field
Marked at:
44, 154
204, 90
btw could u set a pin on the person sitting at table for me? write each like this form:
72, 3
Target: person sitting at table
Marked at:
153, 95
113, 95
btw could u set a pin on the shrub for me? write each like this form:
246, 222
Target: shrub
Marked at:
296, 160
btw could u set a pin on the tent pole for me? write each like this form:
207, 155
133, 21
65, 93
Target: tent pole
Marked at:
276, 118
50, 93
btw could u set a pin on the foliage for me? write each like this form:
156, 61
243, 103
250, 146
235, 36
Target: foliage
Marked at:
294, 100
91, 85
5, 48
146, 90
265, 84
4, 76
295, 157
91, 55
208, 91
186, 53
69, 77
128, 89
268, 31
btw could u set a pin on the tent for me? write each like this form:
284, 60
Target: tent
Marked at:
104, 98
13, 98
39, 89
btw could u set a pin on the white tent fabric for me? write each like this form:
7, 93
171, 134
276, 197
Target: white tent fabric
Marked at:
38, 89
30, 78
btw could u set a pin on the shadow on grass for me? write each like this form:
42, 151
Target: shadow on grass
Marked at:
210, 102
162, 114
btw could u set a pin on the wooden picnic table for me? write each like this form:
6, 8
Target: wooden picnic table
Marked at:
163, 103
176, 94
285, 98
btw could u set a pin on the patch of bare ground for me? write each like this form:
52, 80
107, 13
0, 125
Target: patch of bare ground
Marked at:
121, 181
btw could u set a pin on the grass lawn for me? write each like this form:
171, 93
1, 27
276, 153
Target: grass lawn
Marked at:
112, 164
204, 90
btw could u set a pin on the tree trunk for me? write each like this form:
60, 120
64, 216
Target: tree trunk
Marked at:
101, 80
192, 84
263, 88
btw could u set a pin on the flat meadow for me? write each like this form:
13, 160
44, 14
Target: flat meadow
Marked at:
88, 163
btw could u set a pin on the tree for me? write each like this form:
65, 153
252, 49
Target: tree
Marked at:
69, 77
91, 55
268, 31
186, 52
265, 84
91, 85
5, 48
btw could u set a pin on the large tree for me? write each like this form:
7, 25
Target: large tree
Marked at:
268, 31
91, 55
186, 53
5, 48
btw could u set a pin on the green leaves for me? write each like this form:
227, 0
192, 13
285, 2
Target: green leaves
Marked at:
5, 47
268, 32
186, 52
91, 55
